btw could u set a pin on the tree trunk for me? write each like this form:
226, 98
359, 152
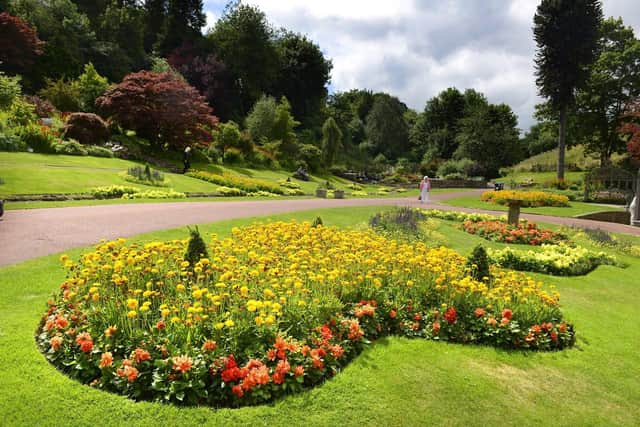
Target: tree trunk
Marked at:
561, 141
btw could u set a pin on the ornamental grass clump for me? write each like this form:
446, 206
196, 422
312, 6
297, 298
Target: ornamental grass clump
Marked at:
274, 309
526, 198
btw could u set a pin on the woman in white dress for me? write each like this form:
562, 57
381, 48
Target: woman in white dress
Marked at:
425, 187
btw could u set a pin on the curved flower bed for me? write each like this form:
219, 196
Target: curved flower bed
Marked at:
526, 233
274, 309
527, 198
559, 260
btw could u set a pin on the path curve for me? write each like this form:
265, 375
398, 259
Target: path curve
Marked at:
31, 233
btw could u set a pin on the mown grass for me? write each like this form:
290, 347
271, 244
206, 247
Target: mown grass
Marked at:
395, 382
576, 208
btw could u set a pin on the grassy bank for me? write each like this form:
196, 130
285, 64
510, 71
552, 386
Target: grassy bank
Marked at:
395, 382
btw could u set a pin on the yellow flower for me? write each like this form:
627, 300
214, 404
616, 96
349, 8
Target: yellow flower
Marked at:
132, 303
132, 314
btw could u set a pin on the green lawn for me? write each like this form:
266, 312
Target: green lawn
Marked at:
576, 208
395, 382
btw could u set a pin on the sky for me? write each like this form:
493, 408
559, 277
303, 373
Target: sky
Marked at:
414, 49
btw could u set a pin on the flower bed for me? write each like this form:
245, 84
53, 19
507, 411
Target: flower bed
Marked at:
274, 309
112, 191
155, 194
229, 180
526, 198
462, 216
526, 233
559, 260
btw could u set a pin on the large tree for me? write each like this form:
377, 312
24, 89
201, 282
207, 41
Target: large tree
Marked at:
244, 41
19, 44
614, 81
303, 74
386, 129
566, 34
630, 128
161, 108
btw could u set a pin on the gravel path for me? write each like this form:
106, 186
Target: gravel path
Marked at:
31, 233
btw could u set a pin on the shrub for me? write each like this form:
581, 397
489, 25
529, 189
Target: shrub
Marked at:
40, 139
293, 192
287, 183
230, 192
233, 156
11, 142
63, 94
160, 108
527, 198
112, 191
95, 151
87, 128
196, 248
91, 86
402, 222
478, 264
21, 113
460, 167
317, 222
71, 148
217, 333
154, 194
10, 89
43, 108
558, 260
19, 43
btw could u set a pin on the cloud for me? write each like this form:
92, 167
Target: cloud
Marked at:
416, 48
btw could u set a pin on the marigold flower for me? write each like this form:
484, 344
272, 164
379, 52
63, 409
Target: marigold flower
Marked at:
479, 312
507, 313
209, 345
450, 315
237, 390
182, 363
140, 355
491, 321
298, 370
435, 327
106, 360
56, 342
392, 314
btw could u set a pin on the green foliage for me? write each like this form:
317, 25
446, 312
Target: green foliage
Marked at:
196, 248
317, 222
478, 264
65, 95
461, 167
96, 151
310, 155
10, 89
402, 222
386, 128
261, 118
21, 113
71, 148
112, 191
145, 175
233, 156
230, 191
230, 180
91, 85
331, 141
39, 139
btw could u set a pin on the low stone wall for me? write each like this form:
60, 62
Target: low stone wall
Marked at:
619, 217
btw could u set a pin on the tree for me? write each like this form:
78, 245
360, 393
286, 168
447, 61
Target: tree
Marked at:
630, 128
331, 141
185, 20
436, 131
91, 85
302, 76
243, 39
155, 25
261, 118
19, 44
228, 136
386, 128
566, 35
283, 130
614, 81
488, 135
10, 89
160, 108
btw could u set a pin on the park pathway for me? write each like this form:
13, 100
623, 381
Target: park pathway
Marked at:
31, 233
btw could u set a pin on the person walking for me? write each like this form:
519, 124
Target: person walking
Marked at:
186, 159
425, 188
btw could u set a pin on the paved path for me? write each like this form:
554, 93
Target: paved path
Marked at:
31, 233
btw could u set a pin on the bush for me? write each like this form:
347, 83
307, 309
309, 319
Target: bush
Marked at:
71, 148
87, 128
91, 86
43, 108
196, 248
96, 151
233, 156
154, 194
230, 191
40, 139
478, 264
63, 94
311, 155
21, 113
402, 221
249, 185
112, 191
160, 108
462, 167
11, 142
10, 89
455, 176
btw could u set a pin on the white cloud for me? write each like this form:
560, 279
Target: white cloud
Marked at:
416, 48
211, 20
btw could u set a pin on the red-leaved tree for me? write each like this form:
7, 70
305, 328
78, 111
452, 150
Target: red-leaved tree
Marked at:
160, 108
19, 44
631, 128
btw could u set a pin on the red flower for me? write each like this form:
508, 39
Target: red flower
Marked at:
160, 325
85, 342
237, 390
479, 312
182, 363
140, 355
393, 314
417, 317
209, 345
554, 336
450, 315
435, 328
299, 370
56, 342
507, 313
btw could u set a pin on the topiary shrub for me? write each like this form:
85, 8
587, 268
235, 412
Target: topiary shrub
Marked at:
478, 264
87, 128
317, 222
196, 249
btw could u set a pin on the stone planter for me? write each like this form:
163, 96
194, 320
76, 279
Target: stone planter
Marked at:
338, 194
321, 192
514, 211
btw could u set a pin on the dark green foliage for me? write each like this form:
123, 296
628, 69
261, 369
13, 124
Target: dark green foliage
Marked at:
478, 264
317, 222
403, 222
331, 141
40, 140
386, 128
64, 94
196, 249
70, 148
